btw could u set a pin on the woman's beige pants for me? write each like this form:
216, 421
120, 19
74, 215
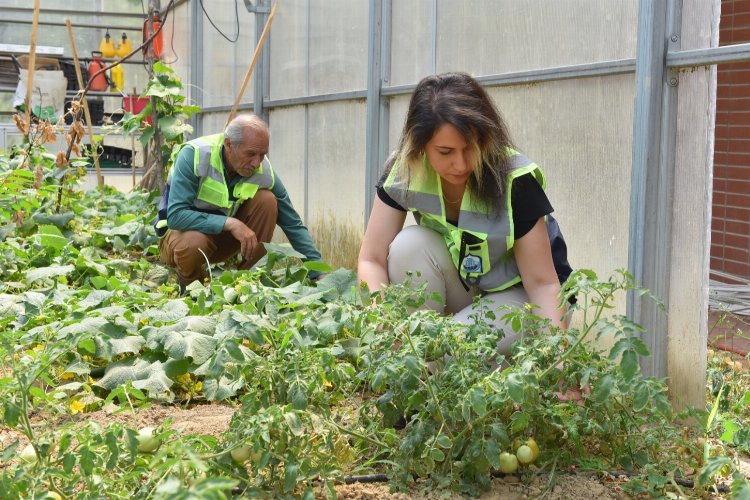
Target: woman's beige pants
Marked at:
423, 252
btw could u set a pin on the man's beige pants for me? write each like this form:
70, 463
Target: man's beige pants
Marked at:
182, 249
421, 250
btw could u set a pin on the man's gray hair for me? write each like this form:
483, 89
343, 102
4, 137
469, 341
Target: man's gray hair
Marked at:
234, 131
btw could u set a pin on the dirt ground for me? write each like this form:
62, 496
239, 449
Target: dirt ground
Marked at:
213, 419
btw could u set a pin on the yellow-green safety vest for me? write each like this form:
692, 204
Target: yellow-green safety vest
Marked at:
481, 244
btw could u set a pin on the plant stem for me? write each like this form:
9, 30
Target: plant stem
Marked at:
426, 382
579, 340
357, 434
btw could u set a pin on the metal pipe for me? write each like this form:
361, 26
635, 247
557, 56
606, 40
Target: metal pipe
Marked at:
78, 25
702, 57
66, 12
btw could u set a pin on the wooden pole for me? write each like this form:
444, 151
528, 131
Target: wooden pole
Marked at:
258, 49
85, 104
132, 139
32, 63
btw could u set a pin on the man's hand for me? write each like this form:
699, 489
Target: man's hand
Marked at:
246, 236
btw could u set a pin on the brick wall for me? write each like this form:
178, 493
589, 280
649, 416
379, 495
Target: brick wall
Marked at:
730, 226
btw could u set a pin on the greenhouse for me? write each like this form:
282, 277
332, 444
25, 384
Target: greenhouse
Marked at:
167, 334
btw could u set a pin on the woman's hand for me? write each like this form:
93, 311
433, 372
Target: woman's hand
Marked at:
384, 224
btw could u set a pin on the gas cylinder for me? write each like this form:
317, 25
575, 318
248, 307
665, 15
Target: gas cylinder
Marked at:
100, 81
124, 47
107, 46
118, 78
157, 42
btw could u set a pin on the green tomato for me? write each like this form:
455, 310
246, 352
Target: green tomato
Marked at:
508, 463
28, 455
147, 442
241, 453
524, 454
534, 448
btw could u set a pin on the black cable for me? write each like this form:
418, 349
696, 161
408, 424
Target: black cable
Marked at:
237, 17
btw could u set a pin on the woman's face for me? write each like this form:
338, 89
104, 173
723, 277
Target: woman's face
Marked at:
450, 155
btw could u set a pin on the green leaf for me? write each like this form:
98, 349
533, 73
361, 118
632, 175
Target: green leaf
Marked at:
713, 465
492, 452
191, 345
292, 420
168, 312
603, 388
51, 236
41, 273
478, 403
87, 346
69, 461
443, 441
516, 388
160, 67
93, 299
150, 377
729, 429
12, 413
290, 477
173, 127
629, 364
87, 460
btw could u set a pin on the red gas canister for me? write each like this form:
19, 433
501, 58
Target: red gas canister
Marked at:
100, 81
156, 43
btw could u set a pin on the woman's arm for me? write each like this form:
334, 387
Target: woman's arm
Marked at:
534, 260
384, 224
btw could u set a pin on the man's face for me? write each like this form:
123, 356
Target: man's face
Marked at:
245, 157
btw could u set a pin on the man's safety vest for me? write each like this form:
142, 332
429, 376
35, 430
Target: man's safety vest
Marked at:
481, 244
213, 192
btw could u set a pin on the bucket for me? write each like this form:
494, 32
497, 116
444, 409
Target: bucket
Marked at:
135, 105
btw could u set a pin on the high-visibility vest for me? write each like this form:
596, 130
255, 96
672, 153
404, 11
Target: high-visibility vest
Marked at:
481, 244
213, 192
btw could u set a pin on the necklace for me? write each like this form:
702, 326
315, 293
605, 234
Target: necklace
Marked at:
453, 202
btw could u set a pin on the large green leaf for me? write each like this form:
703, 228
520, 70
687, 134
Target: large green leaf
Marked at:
58, 220
172, 127
93, 299
144, 375
191, 345
167, 312
51, 237
216, 390
53, 271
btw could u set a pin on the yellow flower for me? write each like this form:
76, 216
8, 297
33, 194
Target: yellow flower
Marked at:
67, 375
38, 347
198, 386
77, 407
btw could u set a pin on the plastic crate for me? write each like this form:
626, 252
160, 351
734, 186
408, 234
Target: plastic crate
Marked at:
96, 110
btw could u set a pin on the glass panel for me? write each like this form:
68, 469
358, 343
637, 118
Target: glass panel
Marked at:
288, 41
336, 159
580, 133
485, 37
287, 152
338, 45
411, 41
225, 62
